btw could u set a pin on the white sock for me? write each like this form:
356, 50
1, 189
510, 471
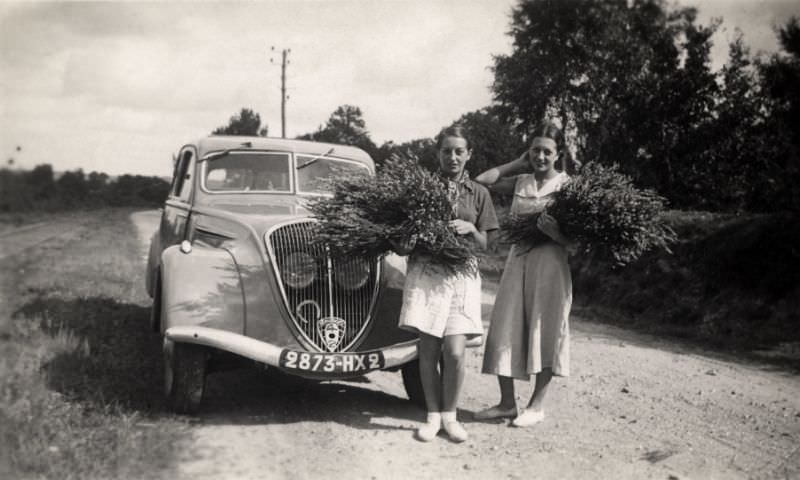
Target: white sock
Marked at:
448, 416
434, 418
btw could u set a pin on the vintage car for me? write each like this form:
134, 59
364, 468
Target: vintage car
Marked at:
233, 271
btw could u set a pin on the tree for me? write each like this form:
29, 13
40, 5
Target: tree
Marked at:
423, 149
72, 188
345, 126
781, 80
631, 83
247, 122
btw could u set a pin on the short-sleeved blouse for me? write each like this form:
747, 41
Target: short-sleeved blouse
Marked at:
475, 206
528, 198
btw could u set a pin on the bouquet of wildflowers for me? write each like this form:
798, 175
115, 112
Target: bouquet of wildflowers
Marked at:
403, 201
603, 213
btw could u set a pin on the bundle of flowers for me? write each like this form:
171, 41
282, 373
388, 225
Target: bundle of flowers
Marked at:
403, 201
603, 213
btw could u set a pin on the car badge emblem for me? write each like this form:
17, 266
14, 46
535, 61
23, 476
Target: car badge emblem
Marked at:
331, 329
301, 308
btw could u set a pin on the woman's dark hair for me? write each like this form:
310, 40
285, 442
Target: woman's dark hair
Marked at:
454, 131
566, 161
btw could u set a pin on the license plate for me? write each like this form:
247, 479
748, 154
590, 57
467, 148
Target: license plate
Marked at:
331, 362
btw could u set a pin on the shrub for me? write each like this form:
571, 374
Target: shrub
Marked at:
403, 201
604, 213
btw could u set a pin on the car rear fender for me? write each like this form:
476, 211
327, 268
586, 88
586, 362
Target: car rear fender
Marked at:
202, 288
152, 264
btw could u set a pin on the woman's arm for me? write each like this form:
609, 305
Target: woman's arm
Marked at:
495, 178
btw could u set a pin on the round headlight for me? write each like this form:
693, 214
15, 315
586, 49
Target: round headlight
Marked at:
299, 270
351, 274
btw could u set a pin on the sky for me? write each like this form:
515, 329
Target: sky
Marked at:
119, 87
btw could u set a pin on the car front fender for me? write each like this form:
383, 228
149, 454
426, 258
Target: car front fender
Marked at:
201, 288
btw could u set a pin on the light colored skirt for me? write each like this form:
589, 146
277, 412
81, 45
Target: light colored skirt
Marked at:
440, 303
529, 327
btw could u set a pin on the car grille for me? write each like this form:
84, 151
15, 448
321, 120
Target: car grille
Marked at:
330, 301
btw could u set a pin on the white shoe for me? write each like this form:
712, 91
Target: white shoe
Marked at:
455, 431
430, 429
528, 417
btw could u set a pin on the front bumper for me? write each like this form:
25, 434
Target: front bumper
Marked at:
394, 355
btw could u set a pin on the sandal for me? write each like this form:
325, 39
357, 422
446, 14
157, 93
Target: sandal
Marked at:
495, 413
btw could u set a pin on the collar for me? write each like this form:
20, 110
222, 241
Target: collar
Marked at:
526, 186
552, 184
463, 181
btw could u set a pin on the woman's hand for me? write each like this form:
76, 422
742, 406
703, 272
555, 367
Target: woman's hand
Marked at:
403, 246
463, 227
549, 226
522, 162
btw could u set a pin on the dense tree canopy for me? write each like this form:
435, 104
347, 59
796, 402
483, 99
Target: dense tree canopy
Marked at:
633, 84
345, 126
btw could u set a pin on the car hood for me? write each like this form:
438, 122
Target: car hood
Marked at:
259, 214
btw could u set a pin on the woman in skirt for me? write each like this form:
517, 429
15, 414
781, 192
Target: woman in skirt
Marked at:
444, 308
529, 329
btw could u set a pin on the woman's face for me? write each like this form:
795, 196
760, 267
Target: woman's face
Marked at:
453, 156
543, 154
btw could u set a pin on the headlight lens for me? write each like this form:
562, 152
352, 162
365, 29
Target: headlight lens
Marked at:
351, 274
299, 270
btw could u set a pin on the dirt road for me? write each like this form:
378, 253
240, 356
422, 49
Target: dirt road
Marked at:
635, 407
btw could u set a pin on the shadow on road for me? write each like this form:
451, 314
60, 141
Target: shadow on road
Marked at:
117, 360
254, 397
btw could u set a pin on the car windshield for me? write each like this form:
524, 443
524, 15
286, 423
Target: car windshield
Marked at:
314, 172
249, 172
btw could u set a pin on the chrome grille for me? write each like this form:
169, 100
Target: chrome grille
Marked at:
329, 301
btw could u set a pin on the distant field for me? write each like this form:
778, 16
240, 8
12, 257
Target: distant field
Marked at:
80, 388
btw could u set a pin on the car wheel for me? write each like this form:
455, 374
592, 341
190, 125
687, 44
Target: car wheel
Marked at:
184, 376
155, 310
413, 383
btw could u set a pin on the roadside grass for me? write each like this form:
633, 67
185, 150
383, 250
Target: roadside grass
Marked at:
731, 284
80, 388
12, 220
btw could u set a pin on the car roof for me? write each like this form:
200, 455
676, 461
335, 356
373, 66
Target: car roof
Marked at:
215, 143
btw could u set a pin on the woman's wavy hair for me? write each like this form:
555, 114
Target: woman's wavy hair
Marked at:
566, 161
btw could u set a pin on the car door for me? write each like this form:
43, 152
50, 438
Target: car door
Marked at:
177, 208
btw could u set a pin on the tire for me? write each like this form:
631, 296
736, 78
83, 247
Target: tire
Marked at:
155, 310
185, 367
413, 383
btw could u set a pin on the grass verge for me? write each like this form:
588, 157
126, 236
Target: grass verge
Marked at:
80, 391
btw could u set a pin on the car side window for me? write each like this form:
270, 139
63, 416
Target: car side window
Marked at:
181, 183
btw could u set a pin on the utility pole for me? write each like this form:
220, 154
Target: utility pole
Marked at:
284, 61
